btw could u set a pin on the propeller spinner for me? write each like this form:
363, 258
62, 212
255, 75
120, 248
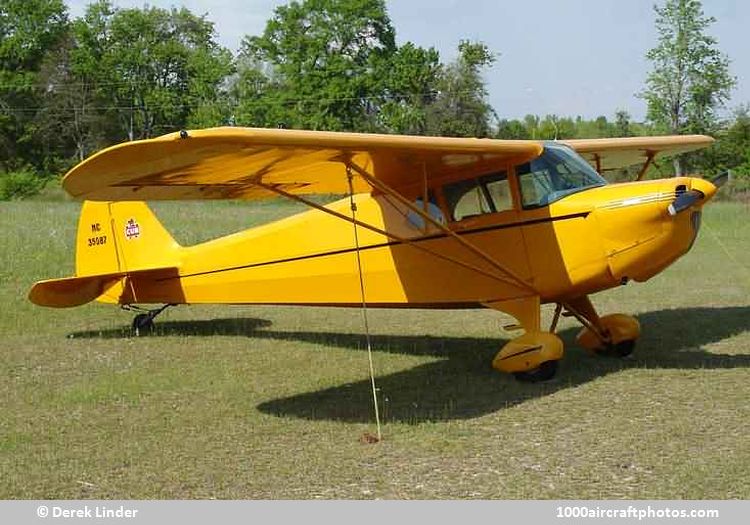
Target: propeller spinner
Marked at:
686, 199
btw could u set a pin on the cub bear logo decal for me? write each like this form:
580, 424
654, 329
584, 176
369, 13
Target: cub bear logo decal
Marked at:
132, 230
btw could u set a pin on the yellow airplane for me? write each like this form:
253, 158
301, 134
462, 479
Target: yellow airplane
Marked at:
427, 222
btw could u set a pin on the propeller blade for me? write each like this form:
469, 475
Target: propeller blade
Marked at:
684, 201
722, 179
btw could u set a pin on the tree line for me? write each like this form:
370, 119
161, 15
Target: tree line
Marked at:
71, 86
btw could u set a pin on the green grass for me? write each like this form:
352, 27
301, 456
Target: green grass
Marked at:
250, 402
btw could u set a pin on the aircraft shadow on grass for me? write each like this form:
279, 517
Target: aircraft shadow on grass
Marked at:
462, 384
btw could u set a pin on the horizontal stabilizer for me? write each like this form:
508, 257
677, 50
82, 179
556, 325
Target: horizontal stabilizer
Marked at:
76, 291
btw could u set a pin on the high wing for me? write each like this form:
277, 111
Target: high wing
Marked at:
615, 153
230, 162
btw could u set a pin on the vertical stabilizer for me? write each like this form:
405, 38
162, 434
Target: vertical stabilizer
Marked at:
120, 237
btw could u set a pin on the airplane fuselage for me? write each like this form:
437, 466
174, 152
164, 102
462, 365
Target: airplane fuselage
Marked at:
586, 242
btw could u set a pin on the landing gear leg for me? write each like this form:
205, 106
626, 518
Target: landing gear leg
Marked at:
611, 335
143, 323
532, 357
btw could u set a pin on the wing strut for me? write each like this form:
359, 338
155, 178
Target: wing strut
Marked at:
509, 276
646, 165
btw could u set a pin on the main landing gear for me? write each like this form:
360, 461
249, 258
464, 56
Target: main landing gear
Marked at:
534, 356
143, 323
612, 335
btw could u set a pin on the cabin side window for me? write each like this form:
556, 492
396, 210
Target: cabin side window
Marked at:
469, 198
498, 188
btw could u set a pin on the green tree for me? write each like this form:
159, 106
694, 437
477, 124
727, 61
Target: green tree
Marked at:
622, 124
732, 151
156, 70
690, 79
512, 129
602, 127
531, 122
75, 109
334, 64
553, 127
411, 86
320, 64
254, 92
461, 108
29, 31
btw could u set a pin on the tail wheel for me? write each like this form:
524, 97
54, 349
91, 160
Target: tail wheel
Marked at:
544, 372
143, 324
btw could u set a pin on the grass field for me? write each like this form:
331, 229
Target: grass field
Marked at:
250, 402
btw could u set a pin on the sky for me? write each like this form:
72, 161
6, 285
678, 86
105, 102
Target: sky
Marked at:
561, 57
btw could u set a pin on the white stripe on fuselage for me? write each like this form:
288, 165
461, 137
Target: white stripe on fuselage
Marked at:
643, 199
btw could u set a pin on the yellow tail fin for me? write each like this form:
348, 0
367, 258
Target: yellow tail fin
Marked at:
122, 237
119, 245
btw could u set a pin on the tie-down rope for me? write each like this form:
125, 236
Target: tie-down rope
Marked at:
364, 301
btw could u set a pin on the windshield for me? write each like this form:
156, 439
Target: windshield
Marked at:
556, 173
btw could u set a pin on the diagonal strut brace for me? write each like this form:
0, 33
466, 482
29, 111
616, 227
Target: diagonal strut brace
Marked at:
390, 235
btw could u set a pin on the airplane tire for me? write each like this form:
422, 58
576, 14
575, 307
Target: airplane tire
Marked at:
621, 349
142, 324
544, 372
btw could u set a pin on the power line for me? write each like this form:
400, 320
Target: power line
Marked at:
110, 83
386, 97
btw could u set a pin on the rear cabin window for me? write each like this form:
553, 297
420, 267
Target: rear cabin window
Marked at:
487, 194
432, 209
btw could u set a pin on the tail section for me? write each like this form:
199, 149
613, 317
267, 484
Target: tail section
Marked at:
117, 288
120, 247
121, 237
